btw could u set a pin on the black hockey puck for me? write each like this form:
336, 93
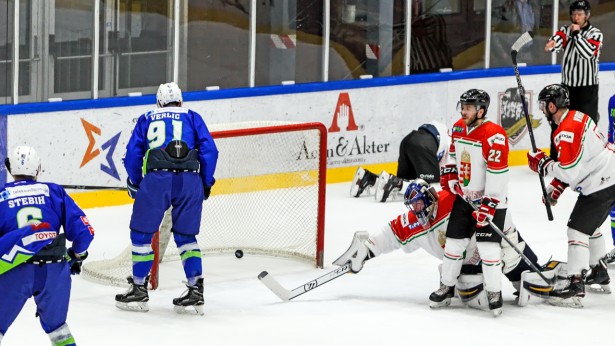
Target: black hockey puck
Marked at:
239, 254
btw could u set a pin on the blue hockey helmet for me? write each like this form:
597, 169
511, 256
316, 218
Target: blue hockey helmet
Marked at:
422, 200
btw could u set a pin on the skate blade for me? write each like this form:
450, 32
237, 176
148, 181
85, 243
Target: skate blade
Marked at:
573, 302
189, 310
601, 289
354, 187
496, 312
137, 307
436, 305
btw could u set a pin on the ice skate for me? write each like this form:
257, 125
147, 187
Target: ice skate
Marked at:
495, 302
441, 297
570, 294
598, 279
388, 185
191, 301
609, 257
363, 180
135, 298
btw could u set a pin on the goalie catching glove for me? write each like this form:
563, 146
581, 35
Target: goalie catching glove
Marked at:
539, 162
485, 211
554, 190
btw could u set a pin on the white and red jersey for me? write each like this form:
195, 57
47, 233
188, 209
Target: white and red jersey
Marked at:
481, 156
405, 232
586, 158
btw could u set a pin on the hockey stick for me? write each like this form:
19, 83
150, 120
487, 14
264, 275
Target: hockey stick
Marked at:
90, 187
522, 41
287, 295
501, 234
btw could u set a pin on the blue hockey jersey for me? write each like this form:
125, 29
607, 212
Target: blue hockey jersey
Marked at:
25, 201
156, 128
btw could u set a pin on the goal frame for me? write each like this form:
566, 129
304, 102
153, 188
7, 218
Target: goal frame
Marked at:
159, 242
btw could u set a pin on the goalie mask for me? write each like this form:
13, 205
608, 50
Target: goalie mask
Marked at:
168, 93
422, 200
23, 160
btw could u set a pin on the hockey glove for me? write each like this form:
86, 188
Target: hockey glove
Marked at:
485, 211
75, 260
449, 179
554, 190
539, 162
132, 188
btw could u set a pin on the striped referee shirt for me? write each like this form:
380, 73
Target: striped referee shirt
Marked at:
581, 55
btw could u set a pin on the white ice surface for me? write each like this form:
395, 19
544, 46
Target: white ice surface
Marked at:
385, 304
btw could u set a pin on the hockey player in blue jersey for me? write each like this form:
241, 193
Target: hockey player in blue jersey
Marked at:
34, 261
610, 257
170, 159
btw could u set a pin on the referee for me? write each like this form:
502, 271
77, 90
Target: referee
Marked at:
581, 43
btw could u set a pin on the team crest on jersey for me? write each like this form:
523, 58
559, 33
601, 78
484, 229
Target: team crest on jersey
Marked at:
466, 168
458, 129
511, 115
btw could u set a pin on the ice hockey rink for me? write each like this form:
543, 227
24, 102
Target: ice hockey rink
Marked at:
385, 304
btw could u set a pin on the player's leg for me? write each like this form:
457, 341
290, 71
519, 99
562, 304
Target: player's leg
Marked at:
488, 243
136, 297
458, 235
52, 301
598, 274
610, 256
16, 288
187, 201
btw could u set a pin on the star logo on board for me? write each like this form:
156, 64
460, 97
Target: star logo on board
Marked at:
92, 151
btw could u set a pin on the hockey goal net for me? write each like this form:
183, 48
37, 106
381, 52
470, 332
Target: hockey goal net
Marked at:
268, 199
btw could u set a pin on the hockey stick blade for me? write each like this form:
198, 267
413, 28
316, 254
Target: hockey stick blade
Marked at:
286, 295
274, 286
524, 39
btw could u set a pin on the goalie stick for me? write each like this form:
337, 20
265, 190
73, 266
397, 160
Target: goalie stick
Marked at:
286, 295
524, 257
522, 41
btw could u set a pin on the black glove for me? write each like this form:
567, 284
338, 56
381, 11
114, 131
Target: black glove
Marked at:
75, 261
207, 192
132, 188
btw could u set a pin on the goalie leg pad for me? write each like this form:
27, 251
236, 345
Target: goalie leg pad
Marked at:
533, 288
471, 291
357, 253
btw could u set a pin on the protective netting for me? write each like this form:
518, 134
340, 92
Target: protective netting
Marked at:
269, 185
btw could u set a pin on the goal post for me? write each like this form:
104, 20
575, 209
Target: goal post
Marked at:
269, 199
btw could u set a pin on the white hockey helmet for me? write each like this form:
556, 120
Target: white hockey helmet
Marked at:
23, 160
167, 93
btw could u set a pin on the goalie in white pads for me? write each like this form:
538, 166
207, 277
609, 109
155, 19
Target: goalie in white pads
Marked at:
424, 226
